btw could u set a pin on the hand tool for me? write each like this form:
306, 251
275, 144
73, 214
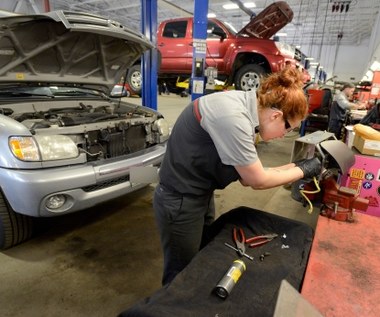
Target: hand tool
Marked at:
233, 248
260, 240
239, 239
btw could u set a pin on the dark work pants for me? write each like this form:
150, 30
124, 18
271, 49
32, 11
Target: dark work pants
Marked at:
180, 220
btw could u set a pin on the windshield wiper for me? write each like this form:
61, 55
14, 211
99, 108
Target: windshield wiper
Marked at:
75, 93
23, 94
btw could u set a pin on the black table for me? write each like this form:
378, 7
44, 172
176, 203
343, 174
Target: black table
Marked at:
191, 293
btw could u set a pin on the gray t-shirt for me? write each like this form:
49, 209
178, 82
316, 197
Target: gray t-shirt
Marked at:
342, 100
231, 118
201, 156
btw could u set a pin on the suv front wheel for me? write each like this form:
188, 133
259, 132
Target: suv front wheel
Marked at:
14, 228
248, 77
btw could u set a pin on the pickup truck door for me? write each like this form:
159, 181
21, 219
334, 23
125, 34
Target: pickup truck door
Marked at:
217, 46
175, 45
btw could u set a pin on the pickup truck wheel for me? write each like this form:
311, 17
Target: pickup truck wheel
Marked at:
134, 78
248, 77
14, 228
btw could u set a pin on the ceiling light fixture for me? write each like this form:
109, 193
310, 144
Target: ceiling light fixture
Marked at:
232, 6
375, 66
369, 75
211, 15
250, 5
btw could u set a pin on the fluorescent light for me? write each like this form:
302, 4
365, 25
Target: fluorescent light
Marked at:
309, 58
231, 6
282, 34
375, 66
250, 5
369, 75
298, 46
211, 15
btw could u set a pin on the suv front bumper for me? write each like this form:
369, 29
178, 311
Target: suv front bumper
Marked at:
83, 186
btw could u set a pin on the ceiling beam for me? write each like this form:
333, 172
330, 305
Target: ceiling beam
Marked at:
245, 9
176, 9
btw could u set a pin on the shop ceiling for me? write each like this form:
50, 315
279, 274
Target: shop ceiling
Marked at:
315, 22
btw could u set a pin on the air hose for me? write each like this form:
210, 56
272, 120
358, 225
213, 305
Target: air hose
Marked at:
304, 192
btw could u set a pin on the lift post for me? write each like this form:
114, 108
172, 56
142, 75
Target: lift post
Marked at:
149, 59
199, 48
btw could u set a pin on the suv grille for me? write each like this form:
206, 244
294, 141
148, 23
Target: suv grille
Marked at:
105, 184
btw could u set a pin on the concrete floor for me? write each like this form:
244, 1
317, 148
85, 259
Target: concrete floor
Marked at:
101, 261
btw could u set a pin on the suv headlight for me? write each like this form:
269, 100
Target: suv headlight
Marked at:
286, 49
162, 126
43, 148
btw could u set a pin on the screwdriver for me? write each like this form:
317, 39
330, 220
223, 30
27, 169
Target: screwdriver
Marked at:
233, 248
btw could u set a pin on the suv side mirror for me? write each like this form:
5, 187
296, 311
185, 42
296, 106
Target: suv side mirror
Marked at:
219, 33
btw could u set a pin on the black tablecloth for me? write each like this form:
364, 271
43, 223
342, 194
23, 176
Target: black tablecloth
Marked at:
192, 292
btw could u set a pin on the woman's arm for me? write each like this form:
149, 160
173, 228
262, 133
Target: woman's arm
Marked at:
258, 177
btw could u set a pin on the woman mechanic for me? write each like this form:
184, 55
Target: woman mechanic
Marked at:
212, 145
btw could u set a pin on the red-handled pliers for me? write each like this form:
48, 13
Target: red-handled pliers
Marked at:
239, 238
260, 240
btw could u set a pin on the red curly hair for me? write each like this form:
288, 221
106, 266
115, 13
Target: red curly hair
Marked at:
283, 90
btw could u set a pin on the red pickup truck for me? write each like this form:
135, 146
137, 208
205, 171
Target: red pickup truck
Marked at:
240, 58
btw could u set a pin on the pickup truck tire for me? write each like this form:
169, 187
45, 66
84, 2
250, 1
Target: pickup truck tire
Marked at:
248, 77
134, 78
14, 228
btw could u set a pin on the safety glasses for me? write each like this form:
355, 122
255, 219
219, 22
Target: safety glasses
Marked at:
288, 127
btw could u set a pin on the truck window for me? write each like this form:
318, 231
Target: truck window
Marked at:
175, 29
213, 27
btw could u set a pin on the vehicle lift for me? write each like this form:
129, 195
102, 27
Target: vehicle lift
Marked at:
199, 48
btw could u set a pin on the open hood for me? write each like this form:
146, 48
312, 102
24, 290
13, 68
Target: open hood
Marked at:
67, 48
269, 21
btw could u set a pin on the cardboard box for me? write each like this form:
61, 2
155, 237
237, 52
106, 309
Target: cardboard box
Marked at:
350, 135
365, 146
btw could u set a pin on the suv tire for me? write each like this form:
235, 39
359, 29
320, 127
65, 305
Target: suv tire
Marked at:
248, 77
14, 228
134, 79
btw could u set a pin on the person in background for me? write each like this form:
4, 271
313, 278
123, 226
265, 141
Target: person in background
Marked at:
339, 108
213, 144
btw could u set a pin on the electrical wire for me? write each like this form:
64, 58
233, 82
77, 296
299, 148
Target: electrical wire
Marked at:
304, 192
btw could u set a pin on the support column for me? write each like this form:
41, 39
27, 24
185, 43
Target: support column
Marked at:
199, 48
149, 59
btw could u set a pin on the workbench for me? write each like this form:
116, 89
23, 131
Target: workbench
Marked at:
192, 292
342, 277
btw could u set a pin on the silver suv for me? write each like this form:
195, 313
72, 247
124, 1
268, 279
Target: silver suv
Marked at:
64, 144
